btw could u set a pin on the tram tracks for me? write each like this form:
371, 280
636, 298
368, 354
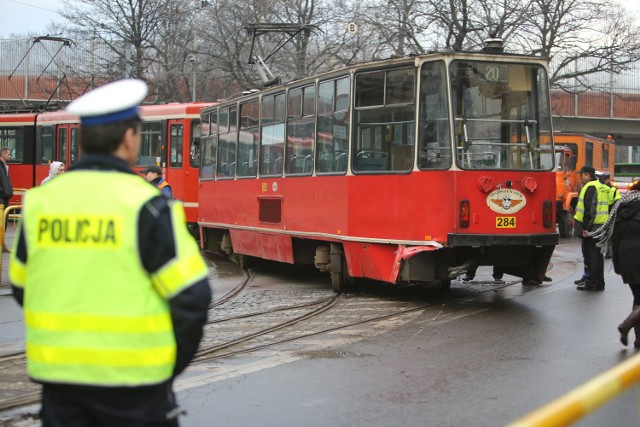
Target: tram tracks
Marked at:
212, 352
327, 314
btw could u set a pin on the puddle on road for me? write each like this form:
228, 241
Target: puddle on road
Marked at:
329, 354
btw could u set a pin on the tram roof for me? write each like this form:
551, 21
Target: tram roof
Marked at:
172, 110
390, 62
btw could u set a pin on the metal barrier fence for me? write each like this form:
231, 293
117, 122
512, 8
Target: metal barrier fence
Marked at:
6, 214
583, 400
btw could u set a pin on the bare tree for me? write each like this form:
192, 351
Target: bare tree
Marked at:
173, 54
395, 26
171, 42
128, 27
570, 32
225, 43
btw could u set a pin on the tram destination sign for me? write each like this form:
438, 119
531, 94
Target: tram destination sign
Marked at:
492, 72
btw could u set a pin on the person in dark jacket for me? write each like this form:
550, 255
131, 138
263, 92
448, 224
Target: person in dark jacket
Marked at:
621, 234
6, 188
153, 175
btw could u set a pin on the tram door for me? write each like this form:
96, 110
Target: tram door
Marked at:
174, 168
46, 150
180, 171
67, 143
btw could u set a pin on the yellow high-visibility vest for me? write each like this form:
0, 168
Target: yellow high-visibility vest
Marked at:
93, 315
614, 194
602, 204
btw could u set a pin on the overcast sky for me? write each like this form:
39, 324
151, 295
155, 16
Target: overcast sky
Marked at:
27, 16
33, 16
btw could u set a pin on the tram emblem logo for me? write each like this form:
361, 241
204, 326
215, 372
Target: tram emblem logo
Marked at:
506, 201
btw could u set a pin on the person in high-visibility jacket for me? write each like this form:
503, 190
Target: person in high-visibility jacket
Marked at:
592, 212
114, 289
614, 194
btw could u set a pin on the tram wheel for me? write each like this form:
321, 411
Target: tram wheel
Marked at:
339, 278
339, 275
243, 261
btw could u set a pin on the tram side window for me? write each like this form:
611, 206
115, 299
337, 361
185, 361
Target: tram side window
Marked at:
199, 131
151, 145
74, 145
333, 126
13, 139
248, 139
300, 130
272, 135
208, 166
385, 114
209, 146
62, 145
434, 149
47, 145
227, 142
194, 146
176, 146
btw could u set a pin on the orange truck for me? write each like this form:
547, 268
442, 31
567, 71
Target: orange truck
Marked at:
574, 150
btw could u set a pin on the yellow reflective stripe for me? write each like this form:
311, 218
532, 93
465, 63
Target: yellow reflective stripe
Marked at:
179, 274
17, 273
110, 376
156, 356
95, 323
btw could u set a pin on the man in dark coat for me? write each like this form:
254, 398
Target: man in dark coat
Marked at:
6, 188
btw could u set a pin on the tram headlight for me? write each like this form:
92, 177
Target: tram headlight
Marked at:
465, 213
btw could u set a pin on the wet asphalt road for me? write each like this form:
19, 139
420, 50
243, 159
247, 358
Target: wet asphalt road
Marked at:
479, 362
483, 360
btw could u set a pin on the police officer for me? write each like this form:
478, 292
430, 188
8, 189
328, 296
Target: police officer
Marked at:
592, 212
114, 289
153, 174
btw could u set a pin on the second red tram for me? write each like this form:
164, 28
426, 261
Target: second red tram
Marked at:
170, 139
406, 170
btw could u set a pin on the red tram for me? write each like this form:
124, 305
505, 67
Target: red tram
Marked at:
170, 138
405, 170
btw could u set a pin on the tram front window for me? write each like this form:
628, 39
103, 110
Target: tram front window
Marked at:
502, 117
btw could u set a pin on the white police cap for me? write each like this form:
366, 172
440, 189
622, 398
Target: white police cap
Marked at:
113, 102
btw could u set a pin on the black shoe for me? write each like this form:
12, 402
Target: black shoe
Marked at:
579, 282
587, 287
548, 279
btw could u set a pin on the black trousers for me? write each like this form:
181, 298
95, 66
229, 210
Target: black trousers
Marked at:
594, 262
635, 290
80, 406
